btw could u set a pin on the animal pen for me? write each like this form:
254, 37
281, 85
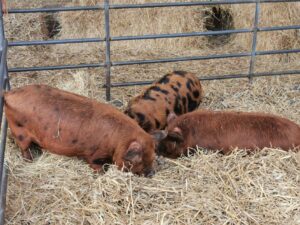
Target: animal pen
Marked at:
108, 64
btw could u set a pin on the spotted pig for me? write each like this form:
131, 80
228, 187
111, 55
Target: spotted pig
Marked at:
179, 91
226, 130
68, 124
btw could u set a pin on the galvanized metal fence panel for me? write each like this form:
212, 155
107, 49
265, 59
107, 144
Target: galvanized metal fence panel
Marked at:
107, 64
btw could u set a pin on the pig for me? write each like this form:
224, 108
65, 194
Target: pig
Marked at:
223, 131
179, 91
72, 125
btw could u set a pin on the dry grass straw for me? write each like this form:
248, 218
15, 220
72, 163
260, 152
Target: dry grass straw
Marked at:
148, 21
207, 188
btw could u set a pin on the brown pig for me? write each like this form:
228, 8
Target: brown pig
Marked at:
179, 91
226, 130
72, 125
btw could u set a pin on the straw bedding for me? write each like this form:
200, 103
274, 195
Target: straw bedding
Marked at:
207, 188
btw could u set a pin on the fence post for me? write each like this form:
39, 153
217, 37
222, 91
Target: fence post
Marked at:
4, 84
254, 40
3, 171
107, 50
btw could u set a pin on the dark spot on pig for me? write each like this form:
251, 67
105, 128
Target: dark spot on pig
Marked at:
192, 105
167, 112
158, 89
157, 123
164, 80
184, 103
34, 108
191, 81
38, 86
56, 109
188, 85
45, 128
74, 141
177, 108
141, 117
174, 88
146, 126
147, 95
180, 73
19, 124
157, 95
130, 113
178, 84
196, 94
20, 137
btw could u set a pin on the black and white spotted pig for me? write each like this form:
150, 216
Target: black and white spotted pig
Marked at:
178, 92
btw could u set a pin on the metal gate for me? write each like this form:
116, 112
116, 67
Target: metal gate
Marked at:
107, 64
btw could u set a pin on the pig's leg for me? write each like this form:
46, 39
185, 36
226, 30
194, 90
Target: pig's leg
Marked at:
22, 139
24, 142
97, 160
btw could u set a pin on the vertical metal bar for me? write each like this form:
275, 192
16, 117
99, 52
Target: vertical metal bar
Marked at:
107, 52
2, 36
4, 83
2, 75
3, 167
3, 173
254, 40
3, 49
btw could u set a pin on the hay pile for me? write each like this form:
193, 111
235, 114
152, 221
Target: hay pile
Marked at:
207, 188
263, 188
151, 21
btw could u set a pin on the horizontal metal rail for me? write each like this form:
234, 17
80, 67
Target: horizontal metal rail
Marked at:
53, 42
149, 36
221, 56
178, 35
277, 28
274, 52
203, 3
151, 61
60, 67
217, 77
205, 33
180, 59
56, 9
140, 6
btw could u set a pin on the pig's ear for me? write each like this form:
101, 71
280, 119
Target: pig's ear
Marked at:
159, 135
134, 153
172, 116
176, 135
